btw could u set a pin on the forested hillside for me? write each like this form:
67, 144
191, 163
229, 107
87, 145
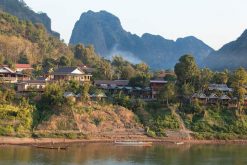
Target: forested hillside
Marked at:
20, 39
19, 9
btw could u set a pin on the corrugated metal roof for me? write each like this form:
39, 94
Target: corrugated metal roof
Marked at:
23, 66
67, 70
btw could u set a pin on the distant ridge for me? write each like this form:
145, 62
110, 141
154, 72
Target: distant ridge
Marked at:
105, 32
231, 56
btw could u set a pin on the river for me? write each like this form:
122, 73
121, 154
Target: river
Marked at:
110, 154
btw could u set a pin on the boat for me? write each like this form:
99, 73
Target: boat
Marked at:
52, 147
179, 143
133, 143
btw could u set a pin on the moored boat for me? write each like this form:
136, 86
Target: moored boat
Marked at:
52, 147
133, 143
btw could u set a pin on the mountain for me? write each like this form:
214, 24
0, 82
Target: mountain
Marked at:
19, 9
230, 56
106, 33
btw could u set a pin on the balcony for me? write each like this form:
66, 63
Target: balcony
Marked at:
8, 79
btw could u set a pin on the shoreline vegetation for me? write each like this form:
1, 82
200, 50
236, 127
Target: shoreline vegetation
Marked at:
33, 141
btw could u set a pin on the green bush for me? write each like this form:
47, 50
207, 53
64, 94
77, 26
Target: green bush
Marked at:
151, 133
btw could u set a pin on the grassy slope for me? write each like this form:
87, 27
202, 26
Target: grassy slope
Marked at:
91, 119
217, 123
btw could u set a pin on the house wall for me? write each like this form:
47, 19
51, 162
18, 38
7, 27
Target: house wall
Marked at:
8, 78
81, 78
29, 87
156, 88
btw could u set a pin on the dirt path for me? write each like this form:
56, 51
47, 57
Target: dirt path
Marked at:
184, 131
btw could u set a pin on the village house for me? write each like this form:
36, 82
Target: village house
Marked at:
71, 73
219, 87
22, 67
213, 99
109, 84
225, 100
201, 97
32, 86
156, 86
116, 86
87, 69
7, 75
98, 96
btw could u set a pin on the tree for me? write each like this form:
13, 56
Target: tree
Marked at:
79, 51
142, 68
85, 54
23, 59
53, 95
167, 92
122, 100
221, 77
106, 69
9, 62
185, 91
206, 76
187, 76
127, 72
139, 81
85, 91
119, 64
170, 77
1, 59
118, 61
64, 61
186, 70
49, 63
238, 82
73, 86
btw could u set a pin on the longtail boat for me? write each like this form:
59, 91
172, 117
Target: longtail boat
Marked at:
52, 147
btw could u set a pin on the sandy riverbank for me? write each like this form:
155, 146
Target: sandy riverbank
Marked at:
31, 141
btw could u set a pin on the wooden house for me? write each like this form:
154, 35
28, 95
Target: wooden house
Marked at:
7, 75
213, 99
219, 87
98, 96
31, 86
225, 100
71, 73
201, 97
156, 86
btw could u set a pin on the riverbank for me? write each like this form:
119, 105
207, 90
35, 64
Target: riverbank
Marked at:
32, 141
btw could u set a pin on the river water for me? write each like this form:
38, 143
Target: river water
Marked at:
110, 154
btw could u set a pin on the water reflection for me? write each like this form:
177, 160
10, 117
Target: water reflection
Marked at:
110, 154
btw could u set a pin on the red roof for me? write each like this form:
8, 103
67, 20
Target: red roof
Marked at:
24, 66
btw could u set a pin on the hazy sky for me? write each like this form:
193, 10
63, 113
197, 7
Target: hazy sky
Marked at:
216, 22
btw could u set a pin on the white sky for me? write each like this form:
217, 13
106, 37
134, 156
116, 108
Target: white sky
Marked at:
216, 22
